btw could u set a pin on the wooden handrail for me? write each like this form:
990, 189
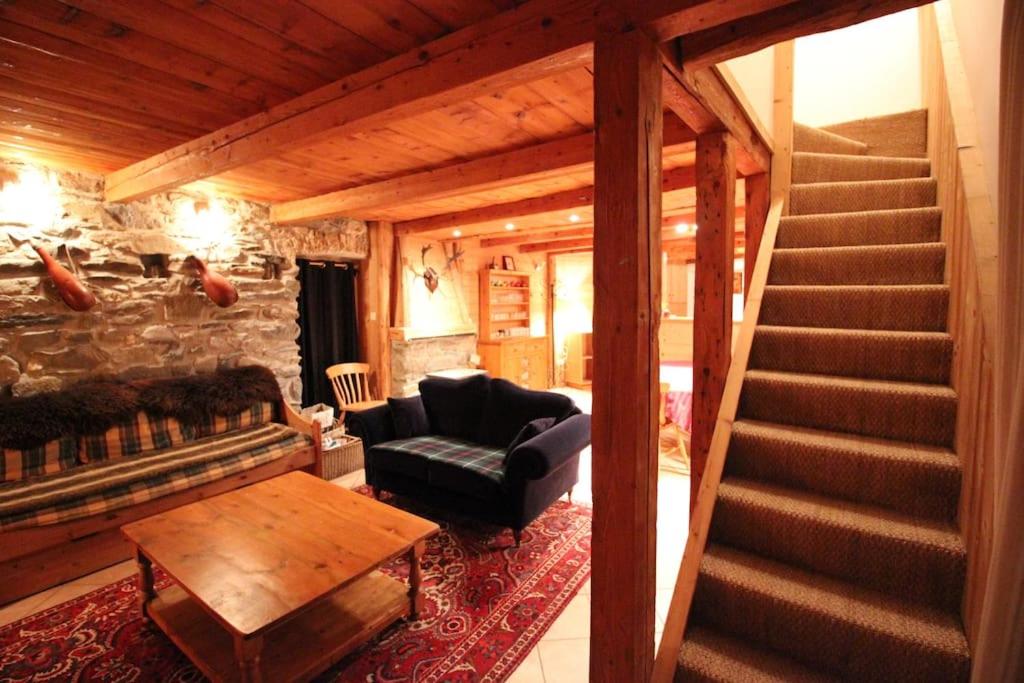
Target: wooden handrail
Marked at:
700, 523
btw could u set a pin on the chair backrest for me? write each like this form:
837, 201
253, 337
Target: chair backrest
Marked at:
351, 382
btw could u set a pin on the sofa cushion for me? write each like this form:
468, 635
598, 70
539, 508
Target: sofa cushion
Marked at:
453, 464
409, 417
101, 488
258, 413
530, 430
138, 435
454, 406
52, 457
509, 407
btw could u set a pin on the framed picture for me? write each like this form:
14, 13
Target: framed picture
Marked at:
508, 263
737, 282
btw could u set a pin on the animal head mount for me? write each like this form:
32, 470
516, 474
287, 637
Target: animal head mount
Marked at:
431, 278
217, 287
71, 290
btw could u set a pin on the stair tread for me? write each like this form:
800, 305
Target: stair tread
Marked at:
854, 333
846, 249
853, 383
867, 158
816, 136
864, 184
940, 537
925, 454
837, 600
714, 656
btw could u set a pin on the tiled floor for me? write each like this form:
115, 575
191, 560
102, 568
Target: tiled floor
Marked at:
562, 656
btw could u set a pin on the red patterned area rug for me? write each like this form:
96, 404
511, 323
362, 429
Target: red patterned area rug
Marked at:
487, 605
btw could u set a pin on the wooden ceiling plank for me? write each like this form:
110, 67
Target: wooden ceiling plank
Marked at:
455, 14
36, 112
751, 32
32, 93
229, 41
534, 114
125, 70
667, 19
545, 159
511, 48
386, 30
303, 26
34, 67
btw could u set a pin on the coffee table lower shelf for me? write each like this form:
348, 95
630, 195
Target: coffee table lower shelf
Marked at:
296, 650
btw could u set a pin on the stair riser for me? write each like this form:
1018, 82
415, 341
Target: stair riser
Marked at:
851, 651
923, 265
910, 488
903, 416
847, 197
813, 168
807, 139
864, 356
855, 229
922, 310
907, 571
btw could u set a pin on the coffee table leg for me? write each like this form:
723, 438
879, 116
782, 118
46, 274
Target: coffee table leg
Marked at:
247, 653
145, 582
415, 578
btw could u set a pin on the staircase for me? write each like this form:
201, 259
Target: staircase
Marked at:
833, 552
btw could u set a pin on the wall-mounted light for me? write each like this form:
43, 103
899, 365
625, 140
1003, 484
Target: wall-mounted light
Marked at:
29, 197
681, 228
574, 218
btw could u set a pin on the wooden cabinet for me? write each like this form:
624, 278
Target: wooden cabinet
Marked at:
579, 363
523, 361
504, 305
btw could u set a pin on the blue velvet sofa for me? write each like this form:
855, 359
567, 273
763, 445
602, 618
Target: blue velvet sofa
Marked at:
477, 446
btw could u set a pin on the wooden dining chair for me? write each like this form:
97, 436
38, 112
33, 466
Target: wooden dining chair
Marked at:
351, 384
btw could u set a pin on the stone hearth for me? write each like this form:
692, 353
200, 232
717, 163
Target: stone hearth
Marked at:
414, 358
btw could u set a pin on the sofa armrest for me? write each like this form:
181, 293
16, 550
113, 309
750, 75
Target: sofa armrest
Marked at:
544, 453
296, 421
373, 426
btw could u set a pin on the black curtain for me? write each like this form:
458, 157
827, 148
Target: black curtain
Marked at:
328, 325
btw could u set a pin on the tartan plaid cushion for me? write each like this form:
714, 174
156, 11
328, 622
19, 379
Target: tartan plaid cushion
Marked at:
257, 414
484, 460
141, 434
94, 489
52, 457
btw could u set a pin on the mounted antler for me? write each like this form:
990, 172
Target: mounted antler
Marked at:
71, 290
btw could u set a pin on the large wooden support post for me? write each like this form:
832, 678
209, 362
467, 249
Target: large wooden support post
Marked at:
627, 296
757, 192
375, 306
712, 310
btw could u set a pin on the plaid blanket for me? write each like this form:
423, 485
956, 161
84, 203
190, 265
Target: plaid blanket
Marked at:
487, 461
139, 434
102, 487
52, 457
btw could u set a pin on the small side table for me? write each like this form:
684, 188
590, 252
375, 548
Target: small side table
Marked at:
342, 453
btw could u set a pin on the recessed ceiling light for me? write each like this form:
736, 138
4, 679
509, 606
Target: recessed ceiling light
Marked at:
681, 228
574, 218
456, 233
510, 226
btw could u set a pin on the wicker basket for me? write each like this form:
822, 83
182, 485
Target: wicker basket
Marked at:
345, 457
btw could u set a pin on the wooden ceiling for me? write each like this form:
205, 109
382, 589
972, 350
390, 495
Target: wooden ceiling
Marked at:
158, 93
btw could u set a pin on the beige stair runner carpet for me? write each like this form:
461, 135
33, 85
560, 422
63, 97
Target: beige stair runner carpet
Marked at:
833, 552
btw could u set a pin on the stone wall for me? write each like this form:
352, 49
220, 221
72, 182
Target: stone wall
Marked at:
141, 326
412, 359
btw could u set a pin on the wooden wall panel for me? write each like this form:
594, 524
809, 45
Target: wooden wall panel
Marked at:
969, 229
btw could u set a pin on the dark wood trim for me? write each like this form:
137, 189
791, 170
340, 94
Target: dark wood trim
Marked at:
627, 293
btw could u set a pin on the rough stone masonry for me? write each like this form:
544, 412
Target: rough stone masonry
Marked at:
152, 326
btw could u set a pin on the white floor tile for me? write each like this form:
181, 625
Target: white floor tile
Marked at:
530, 671
565, 661
573, 622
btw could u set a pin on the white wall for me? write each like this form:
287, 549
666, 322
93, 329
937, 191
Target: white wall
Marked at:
979, 32
755, 74
865, 70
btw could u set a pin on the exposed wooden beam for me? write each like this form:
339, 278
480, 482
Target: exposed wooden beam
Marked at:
755, 31
758, 201
581, 198
627, 295
536, 236
524, 44
712, 313
535, 162
672, 243
557, 245
375, 306
704, 100
513, 47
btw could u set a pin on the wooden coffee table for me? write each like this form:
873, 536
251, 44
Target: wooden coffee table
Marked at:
277, 581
